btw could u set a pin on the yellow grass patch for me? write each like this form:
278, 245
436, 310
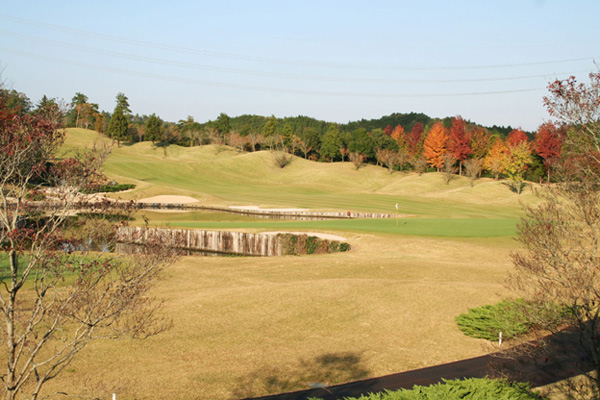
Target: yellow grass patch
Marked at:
240, 323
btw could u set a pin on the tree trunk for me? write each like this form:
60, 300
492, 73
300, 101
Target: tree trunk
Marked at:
9, 380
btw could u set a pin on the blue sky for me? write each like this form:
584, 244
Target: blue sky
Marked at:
489, 61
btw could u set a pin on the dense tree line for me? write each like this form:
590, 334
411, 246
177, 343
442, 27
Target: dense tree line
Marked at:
397, 141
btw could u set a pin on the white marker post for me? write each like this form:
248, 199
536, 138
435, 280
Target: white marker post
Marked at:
396, 215
114, 396
499, 340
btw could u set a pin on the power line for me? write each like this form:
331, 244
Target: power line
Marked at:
196, 66
175, 48
256, 88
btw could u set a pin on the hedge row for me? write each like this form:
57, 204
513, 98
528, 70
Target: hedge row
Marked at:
304, 244
110, 187
467, 389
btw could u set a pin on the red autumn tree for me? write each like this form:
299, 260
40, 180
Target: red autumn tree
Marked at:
577, 108
388, 130
459, 143
515, 138
399, 135
434, 146
414, 140
548, 144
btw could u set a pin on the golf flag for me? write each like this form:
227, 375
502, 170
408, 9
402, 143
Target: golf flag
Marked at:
396, 206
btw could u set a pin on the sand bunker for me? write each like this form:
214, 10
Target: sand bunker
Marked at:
169, 199
325, 236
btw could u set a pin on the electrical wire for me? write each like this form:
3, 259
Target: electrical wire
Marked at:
160, 61
140, 74
118, 39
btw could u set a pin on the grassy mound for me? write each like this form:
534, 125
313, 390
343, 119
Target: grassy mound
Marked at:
222, 175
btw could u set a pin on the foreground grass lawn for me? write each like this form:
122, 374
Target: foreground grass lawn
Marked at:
251, 326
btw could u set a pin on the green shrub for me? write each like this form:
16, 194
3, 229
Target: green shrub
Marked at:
333, 247
344, 247
110, 187
467, 389
311, 244
304, 244
35, 195
486, 322
291, 244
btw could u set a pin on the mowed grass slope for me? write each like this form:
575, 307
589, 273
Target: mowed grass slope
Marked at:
251, 326
228, 177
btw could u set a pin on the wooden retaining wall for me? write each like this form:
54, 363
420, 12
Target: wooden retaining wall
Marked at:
239, 243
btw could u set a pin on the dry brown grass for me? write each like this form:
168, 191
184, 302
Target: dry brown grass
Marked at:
247, 326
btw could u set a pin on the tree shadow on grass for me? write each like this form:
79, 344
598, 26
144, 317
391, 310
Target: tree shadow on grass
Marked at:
324, 370
517, 188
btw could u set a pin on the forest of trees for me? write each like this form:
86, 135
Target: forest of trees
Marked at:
400, 141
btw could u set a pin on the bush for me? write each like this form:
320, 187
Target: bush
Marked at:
344, 247
486, 322
467, 389
35, 195
282, 159
304, 244
110, 187
511, 317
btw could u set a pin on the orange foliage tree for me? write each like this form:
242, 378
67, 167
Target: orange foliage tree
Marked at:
399, 135
434, 147
496, 158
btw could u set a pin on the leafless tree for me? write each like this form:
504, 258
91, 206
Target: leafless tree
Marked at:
419, 164
236, 140
343, 151
449, 169
56, 293
304, 147
255, 139
387, 157
472, 169
559, 262
403, 158
357, 159
279, 151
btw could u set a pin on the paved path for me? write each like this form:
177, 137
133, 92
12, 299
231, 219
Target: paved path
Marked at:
563, 361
